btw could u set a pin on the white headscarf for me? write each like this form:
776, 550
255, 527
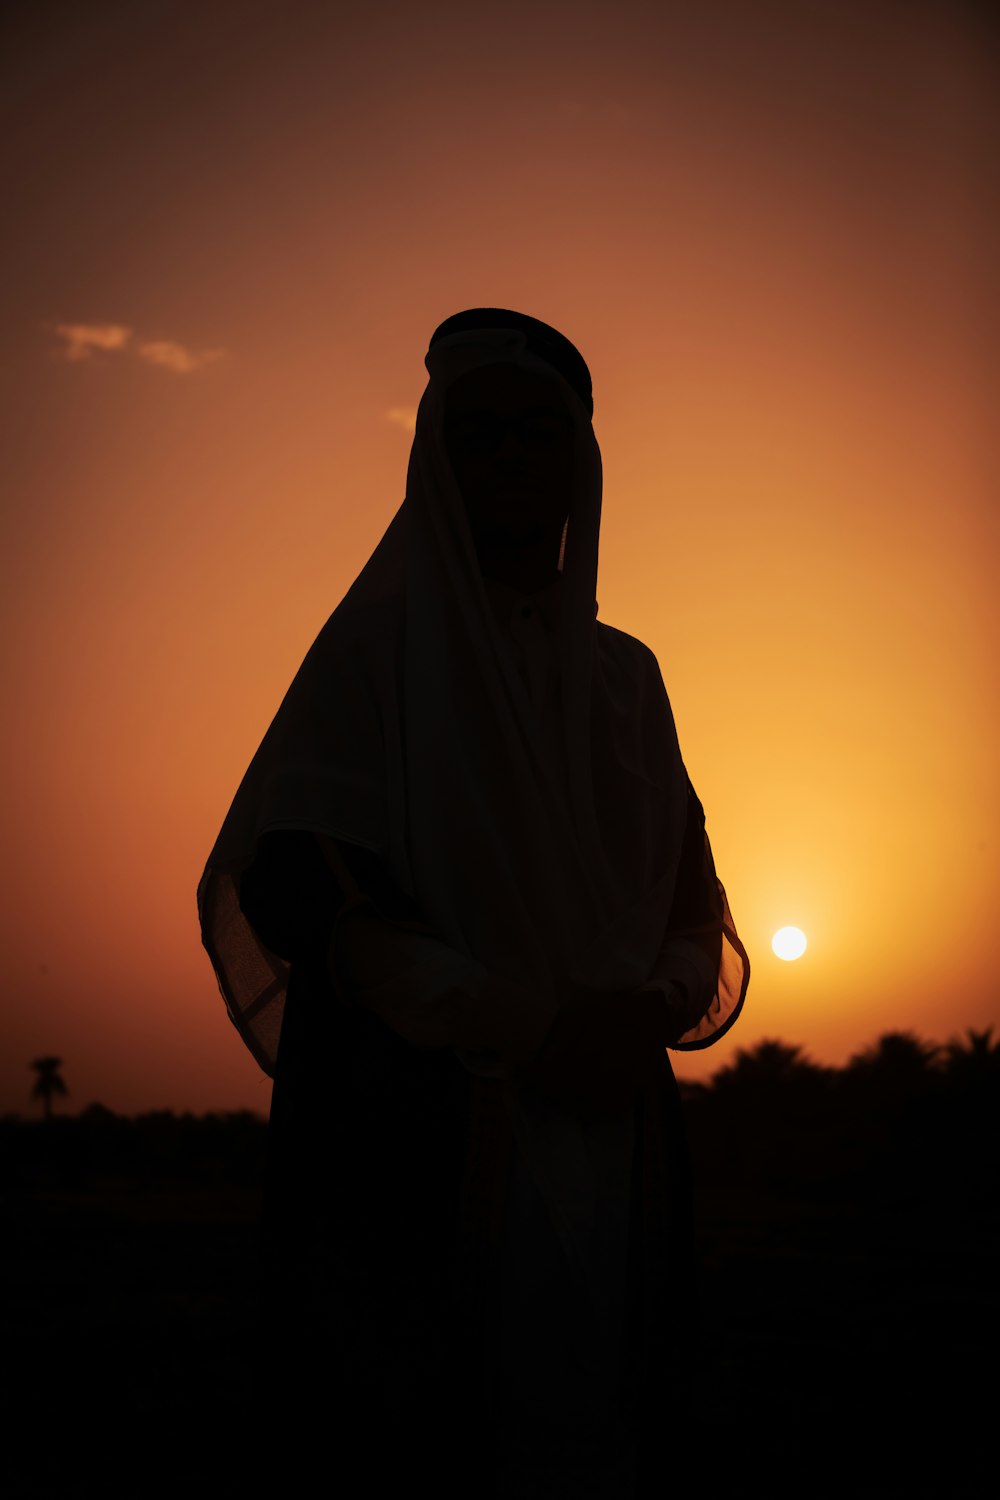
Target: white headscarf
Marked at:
407, 730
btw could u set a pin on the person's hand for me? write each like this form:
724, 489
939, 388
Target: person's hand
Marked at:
601, 1051
681, 1013
366, 949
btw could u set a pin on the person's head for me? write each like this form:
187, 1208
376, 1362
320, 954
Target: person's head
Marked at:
511, 428
509, 438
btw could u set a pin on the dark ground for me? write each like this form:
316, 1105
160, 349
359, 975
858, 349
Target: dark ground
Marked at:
849, 1293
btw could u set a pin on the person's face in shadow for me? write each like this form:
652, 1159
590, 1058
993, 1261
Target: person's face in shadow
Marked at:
509, 438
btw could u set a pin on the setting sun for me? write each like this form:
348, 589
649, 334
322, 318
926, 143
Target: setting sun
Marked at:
789, 942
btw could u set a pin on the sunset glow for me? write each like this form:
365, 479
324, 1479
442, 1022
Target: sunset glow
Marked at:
230, 232
789, 943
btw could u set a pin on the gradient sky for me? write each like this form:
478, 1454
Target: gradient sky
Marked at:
230, 230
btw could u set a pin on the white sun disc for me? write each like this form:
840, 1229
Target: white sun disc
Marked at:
789, 942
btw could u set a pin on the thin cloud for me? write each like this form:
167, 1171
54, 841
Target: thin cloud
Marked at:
81, 339
403, 416
176, 357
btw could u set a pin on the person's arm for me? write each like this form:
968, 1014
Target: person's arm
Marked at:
434, 996
602, 1046
289, 896
332, 904
686, 971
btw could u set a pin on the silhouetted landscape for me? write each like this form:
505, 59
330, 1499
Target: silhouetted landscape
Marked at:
848, 1223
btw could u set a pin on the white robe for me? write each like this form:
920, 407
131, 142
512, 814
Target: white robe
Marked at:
564, 1254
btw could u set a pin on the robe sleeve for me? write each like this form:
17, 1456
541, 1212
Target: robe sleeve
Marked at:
290, 896
702, 957
388, 959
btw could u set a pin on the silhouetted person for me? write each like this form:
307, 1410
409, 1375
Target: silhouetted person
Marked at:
461, 904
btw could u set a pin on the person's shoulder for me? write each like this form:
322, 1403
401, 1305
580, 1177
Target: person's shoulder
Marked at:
376, 619
632, 677
626, 651
357, 630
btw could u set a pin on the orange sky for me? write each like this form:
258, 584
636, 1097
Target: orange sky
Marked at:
228, 240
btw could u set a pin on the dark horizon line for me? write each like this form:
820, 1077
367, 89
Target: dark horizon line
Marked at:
890, 1051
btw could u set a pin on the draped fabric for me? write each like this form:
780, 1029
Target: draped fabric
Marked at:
408, 732
525, 811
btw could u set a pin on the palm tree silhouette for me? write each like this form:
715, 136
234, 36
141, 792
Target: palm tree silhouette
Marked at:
899, 1059
898, 1051
896, 1076
49, 1082
976, 1059
770, 1063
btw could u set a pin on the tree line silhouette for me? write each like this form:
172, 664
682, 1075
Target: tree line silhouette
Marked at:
903, 1119
771, 1115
